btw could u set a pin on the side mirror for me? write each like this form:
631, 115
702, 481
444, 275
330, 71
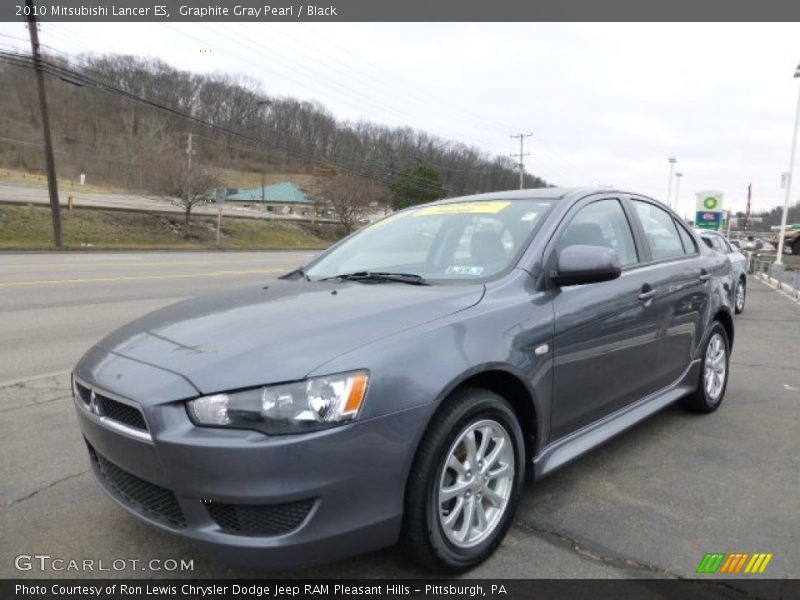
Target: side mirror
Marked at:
580, 264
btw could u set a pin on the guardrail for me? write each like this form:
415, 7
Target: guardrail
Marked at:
775, 275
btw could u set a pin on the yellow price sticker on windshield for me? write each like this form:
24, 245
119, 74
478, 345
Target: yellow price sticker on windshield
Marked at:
463, 208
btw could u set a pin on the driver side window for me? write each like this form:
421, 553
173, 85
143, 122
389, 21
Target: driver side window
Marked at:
602, 223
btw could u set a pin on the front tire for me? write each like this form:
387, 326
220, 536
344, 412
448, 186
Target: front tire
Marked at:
465, 482
713, 379
740, 296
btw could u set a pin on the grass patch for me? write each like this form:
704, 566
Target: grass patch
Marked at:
30, 228
39, 180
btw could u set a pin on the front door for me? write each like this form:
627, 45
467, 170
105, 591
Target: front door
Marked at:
604, 344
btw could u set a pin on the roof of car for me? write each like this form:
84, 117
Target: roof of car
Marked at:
547, 193
702, 232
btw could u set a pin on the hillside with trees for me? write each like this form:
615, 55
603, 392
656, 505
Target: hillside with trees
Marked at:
124, 120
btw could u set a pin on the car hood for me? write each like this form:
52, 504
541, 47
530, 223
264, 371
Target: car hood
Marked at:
278, 332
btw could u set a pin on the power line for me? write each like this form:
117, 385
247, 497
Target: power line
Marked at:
77, 78
480, 155
397, 87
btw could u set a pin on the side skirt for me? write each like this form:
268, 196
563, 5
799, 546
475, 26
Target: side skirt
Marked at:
566, 449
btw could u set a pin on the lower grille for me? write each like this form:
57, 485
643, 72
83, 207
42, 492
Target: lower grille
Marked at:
158, 502
264, 519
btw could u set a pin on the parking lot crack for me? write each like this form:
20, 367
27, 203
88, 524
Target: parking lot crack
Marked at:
584, 550
763, 366
581, 548
47, 487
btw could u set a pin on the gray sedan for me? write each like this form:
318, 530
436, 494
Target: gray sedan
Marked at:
719, 243
402, 385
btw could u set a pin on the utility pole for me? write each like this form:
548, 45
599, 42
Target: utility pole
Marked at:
52, 184
521, 156
189, 151
782, 232
672, 162
678, 176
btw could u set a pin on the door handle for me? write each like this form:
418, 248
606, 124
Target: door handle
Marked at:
704, 275
648, 295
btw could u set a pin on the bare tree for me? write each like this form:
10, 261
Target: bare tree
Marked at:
352, 198
185, 187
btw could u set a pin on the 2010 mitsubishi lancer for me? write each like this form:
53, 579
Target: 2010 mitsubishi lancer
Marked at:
402, 385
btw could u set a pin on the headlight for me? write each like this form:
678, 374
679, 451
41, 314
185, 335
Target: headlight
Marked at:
308, 405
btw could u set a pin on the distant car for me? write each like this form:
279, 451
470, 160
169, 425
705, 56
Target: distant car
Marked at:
751, 244
402, 384
718, 242
791, 240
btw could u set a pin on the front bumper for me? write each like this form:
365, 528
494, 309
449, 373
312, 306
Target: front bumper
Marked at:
256, 500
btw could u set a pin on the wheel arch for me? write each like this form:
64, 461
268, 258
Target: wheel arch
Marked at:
726, 320
507, 382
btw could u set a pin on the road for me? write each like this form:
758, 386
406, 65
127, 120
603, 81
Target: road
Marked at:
54, 306
20, 194
649, 504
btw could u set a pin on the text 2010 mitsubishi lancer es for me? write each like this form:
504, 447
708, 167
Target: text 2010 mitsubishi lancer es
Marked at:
401, 385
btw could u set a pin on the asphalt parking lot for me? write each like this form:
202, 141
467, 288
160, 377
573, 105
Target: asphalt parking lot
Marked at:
649, 504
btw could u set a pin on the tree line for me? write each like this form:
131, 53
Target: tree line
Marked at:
119, 140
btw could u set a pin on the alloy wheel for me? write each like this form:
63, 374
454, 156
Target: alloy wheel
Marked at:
715, 367
476, 483
740, 291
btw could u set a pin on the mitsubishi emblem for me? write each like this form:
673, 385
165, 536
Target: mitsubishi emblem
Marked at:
94, 407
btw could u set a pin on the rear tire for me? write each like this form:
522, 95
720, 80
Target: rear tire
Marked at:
713, 379
740, 296
465, 482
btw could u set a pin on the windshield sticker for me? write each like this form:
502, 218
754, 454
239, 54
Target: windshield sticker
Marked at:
529, 216
463, 270
463, 208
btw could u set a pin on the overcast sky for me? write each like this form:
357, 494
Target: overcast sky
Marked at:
607, 103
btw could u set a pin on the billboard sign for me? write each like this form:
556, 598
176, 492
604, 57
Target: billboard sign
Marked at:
708, 219
709, 212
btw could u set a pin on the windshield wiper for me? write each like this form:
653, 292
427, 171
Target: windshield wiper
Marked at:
380, 277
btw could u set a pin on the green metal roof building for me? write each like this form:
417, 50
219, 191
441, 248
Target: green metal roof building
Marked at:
279, 193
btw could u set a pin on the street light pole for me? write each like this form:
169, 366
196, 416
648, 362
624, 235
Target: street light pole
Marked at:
782, 233
672, 162
264, 104
678, 176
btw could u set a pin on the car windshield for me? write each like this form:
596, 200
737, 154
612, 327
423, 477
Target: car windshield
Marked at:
451, 242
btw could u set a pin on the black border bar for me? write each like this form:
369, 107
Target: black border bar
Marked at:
399, 589
405, 10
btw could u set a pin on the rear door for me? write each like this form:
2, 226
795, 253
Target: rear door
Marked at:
604, 344
681, 286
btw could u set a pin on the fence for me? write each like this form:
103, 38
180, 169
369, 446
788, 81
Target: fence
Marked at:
775, 275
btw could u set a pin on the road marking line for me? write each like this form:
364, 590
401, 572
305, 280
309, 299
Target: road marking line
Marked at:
139, 277
33, 378
112, 265
783, 293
